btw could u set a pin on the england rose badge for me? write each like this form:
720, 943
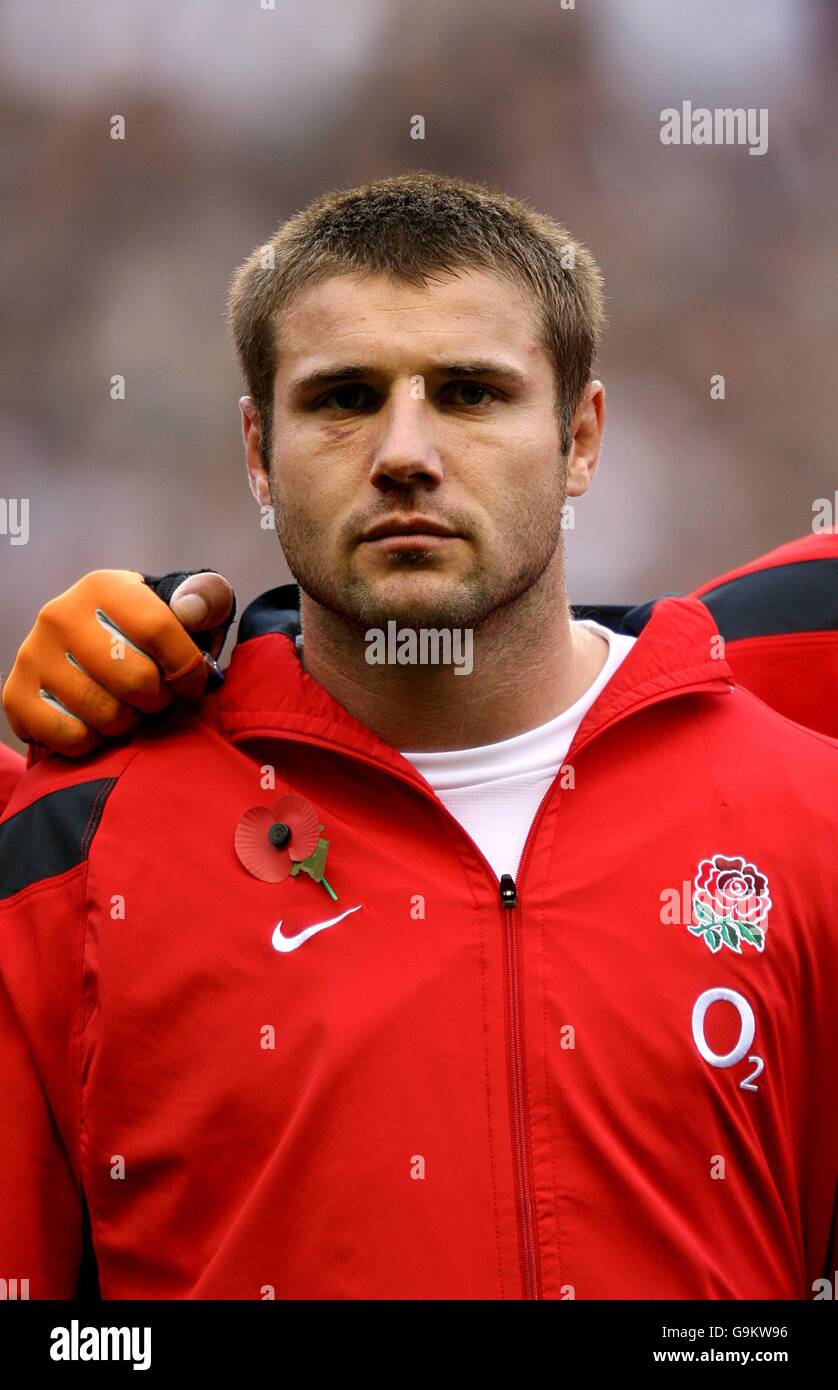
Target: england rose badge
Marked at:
730, 903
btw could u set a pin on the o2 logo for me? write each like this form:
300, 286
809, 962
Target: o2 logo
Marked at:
747, 1029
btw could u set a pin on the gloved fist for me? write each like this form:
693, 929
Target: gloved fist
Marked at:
111, 649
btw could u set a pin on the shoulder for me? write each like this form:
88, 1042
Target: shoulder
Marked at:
773, 731
785, 771
58, 806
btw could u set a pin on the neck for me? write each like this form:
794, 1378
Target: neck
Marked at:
530, 663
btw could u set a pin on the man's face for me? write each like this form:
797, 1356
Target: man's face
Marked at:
394, 402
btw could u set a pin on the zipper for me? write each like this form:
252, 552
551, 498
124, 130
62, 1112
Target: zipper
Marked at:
527, 1225
516, 1061
511, 927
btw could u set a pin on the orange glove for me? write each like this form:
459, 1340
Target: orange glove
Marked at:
108, 651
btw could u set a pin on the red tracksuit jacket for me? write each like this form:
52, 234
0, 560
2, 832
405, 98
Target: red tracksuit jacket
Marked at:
615, 1078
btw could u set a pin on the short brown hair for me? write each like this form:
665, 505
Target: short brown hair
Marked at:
409, 227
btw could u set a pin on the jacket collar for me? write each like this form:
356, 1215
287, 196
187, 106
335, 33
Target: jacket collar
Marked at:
268, 694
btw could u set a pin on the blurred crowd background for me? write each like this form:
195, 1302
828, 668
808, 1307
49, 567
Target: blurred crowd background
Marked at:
118, 254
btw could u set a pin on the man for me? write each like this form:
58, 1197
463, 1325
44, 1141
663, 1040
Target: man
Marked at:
542, 1006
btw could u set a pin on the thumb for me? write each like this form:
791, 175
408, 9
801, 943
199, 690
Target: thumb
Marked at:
202, 602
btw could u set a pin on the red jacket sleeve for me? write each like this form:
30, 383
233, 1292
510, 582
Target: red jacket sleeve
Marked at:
40, 1202
43, 871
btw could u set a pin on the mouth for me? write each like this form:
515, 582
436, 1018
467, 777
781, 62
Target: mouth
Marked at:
409, 534
410, 540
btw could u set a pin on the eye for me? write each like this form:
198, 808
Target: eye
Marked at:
471, 393
349, 397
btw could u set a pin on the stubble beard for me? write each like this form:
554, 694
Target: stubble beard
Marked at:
468, 600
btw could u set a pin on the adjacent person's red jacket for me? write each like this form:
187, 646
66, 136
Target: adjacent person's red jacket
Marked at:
612, 1078
779, 617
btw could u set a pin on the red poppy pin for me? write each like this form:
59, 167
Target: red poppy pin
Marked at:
273, 843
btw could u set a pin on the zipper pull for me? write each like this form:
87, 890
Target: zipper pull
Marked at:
508, 891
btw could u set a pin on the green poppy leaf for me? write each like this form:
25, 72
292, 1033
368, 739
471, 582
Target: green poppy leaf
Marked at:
315, 863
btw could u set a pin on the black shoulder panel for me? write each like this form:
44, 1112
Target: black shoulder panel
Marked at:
610, 615
276, 611
52, 835
801, 597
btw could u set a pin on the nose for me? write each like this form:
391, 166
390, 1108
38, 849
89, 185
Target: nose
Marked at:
407, 452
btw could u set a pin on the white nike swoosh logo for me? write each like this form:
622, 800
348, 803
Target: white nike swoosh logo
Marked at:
290, 943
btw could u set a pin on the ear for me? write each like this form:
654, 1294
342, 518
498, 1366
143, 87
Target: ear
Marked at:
252, 435
587, 429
